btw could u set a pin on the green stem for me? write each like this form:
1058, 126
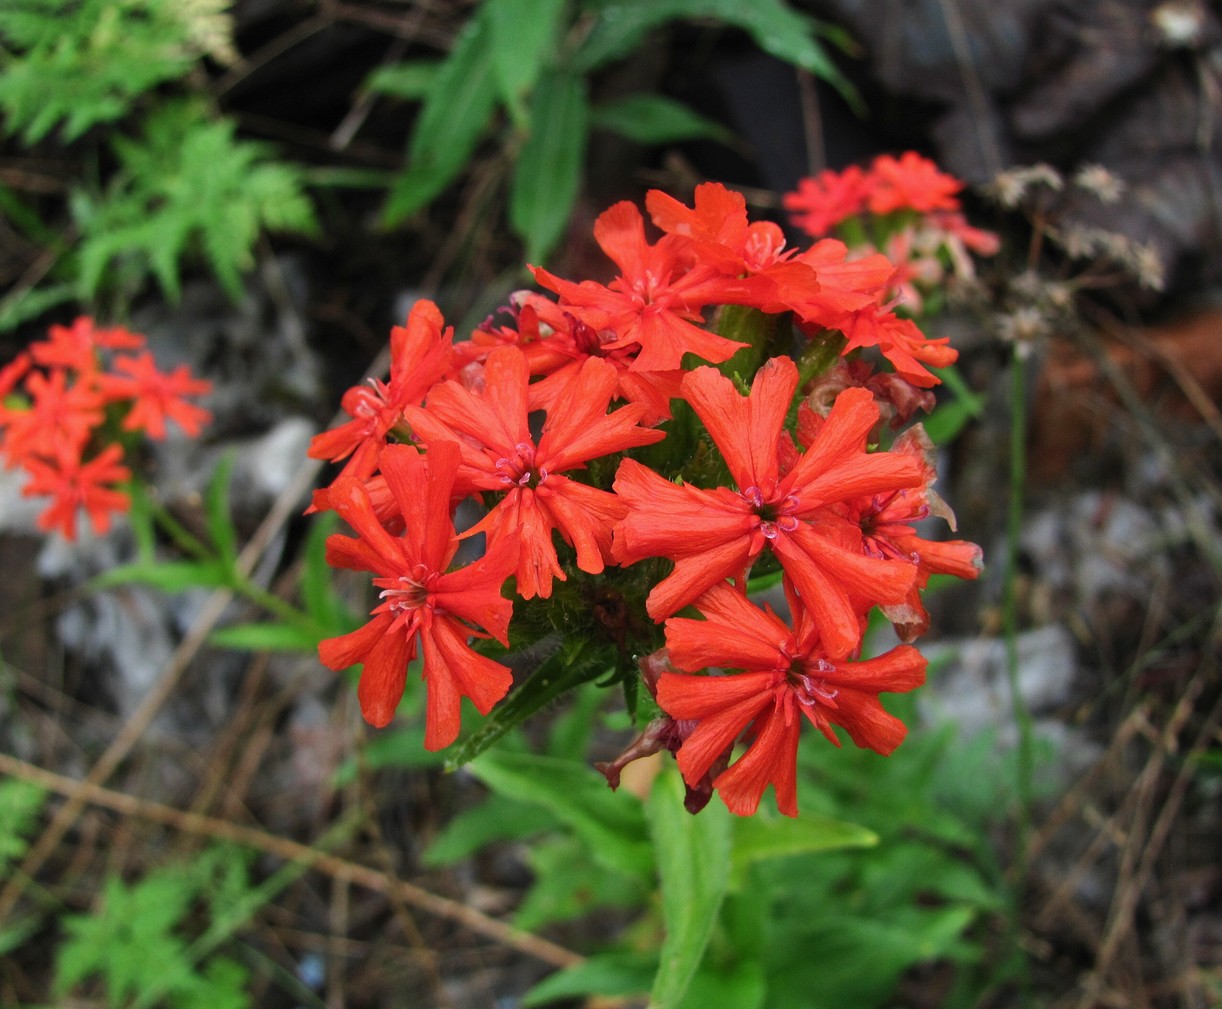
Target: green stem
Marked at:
190, 544
182, 537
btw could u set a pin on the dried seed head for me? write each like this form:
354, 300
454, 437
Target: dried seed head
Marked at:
1098, 180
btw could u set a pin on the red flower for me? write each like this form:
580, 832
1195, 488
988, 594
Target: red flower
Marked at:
571, 341
499, 454
911, 183
901, 342
655, 302
715, 535
843, 285
58, 422
720, 232
822, 202
157, 396
73, 484
785, 674
77, 346
10, 375
886, 523
421, 600
419, 357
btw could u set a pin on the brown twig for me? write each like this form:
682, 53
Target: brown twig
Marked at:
85, 792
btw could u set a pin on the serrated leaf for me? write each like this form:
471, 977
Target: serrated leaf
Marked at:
611, 824
266, 638
655, 119
20, 803
78, 64
525, 35
571, 665
693, 855
188, 185
548, 173
129, 936
455, 114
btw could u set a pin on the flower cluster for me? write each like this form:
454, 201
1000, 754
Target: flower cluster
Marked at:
905, 207
71, 404
604, 447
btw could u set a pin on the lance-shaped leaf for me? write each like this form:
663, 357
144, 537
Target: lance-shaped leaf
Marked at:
548, 172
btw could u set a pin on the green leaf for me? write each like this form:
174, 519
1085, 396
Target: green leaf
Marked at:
456, 112
140, 519
318, 592
611, 824
548, 173
266, 638
129, 941
78, 63
949, 418
166, 576
20, 306
743, 986
693, 854
569, 666
655, 119
760, 837
497, 818
14, 932
525, 37
187, 186
20, 803
611, 974
569, 884
776, 28
411, 80
216, 510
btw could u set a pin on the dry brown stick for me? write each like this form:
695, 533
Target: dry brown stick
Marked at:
288, 501
85, 792
1151, 846
1070, 803
1128, 885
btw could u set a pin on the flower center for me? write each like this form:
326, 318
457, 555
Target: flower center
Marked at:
519, 470
809, 687
776, 513
406, 592
876, 542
